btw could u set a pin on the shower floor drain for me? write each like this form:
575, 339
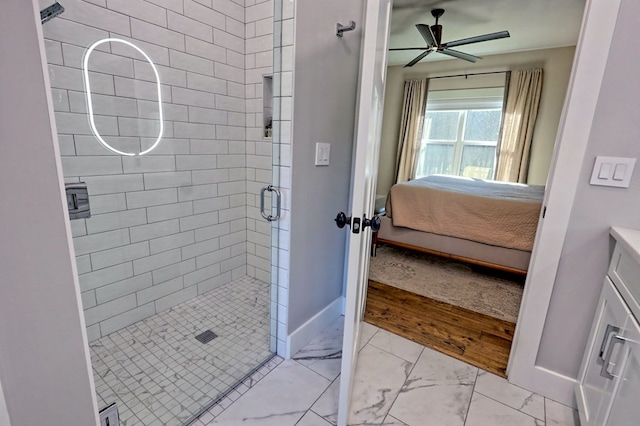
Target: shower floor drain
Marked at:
206, 336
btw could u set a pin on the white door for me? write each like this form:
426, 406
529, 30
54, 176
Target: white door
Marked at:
373, 68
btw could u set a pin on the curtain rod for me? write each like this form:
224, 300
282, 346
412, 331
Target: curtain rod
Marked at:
469, 74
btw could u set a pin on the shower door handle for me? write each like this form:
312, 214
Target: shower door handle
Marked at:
269, 217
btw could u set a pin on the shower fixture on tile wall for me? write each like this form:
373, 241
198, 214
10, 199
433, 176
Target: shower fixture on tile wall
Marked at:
51, 12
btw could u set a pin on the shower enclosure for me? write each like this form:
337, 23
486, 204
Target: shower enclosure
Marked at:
163, 113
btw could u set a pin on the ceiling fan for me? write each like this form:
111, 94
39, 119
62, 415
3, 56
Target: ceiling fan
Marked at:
433, 37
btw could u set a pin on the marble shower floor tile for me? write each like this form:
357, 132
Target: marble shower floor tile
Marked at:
158, 373
282, 398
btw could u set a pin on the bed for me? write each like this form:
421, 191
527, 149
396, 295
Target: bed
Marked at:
479, 221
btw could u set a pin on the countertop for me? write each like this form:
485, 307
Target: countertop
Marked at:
625, 272
629, 239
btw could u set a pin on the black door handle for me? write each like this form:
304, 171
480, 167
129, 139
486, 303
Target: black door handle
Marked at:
374, 223
342, 220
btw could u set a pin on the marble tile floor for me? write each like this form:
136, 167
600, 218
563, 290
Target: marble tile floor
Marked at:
398, 382
159, 374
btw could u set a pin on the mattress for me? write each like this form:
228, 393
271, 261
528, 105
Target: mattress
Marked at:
495, 213
458, 248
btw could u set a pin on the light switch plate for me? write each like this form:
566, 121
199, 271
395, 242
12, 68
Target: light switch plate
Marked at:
323, 154
612, 171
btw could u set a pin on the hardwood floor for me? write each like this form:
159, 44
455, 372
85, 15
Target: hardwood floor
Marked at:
474, 338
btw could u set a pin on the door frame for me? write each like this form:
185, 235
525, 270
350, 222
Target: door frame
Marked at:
587, 75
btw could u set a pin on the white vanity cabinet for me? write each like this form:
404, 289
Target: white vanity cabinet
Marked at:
624, 407
608, 388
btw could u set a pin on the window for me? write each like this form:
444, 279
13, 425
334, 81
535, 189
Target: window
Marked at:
460, 133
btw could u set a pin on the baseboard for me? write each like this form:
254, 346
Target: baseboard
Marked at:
310, 329
550, 384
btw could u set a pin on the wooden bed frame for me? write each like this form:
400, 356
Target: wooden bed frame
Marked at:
495, 257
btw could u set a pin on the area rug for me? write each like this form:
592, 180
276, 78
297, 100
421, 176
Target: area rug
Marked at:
448, 281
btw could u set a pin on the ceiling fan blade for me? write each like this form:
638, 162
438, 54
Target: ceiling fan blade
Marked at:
410, 48
477, 39
417, 59
427, 34
460, 55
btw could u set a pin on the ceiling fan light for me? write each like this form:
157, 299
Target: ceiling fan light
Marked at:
432, 36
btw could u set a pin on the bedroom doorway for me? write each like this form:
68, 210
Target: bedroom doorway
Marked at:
476, 305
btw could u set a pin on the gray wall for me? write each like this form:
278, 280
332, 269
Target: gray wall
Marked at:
557, 69
177, 222
325, 86
585, 255
4, 414
44, 362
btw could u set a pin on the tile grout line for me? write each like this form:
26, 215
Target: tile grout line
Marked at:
466, 415
406, 378
508, 406
320, 396
545, 409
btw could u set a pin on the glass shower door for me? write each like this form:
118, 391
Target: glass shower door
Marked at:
157, 125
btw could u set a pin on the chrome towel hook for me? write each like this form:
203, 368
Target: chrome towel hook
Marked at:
342, 28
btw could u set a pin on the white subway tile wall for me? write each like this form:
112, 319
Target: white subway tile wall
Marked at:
185, 218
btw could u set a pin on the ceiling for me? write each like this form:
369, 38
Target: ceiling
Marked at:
533, 24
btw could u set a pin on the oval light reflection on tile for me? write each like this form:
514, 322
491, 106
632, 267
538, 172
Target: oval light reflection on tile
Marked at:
90, 110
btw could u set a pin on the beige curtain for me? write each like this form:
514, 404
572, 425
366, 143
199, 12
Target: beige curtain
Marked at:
413, 109
521, 110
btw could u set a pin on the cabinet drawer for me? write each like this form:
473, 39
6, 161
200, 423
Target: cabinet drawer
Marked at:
624, 271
